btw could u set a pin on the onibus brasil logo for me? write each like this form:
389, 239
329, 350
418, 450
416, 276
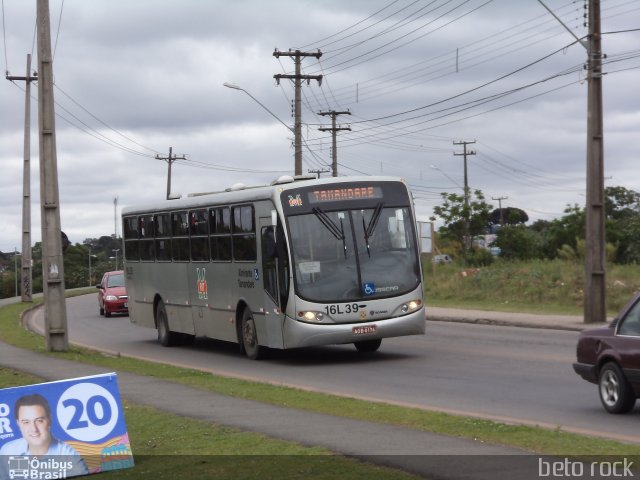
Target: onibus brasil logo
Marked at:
33, 467
295, 201
203, 293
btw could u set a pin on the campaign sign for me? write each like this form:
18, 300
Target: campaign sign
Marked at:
63, 429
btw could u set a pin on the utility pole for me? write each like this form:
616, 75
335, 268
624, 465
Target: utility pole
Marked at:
499, 200
115, 218
27, 274
297, 56
334, 129
465, 153
594, 290
319, 171
55, 310
15, 267
170, 159
594, 281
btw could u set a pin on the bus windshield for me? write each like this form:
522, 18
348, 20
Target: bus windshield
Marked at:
353, 254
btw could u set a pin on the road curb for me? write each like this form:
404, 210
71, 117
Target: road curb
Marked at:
507, 323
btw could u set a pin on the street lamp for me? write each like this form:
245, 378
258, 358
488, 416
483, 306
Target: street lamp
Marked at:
116, 252
236, 87
90, 257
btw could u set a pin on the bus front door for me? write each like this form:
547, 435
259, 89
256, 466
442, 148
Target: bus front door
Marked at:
274, 261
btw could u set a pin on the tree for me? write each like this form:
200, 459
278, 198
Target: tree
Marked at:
517, 242
455, 214
510, 216
622, 228
621, 203
565, 230
622, 210
105, 244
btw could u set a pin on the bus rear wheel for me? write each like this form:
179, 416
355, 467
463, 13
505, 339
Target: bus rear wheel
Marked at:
368, 346
166, 337
249, 333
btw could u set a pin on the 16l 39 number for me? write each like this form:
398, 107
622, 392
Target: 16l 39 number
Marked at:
340, 309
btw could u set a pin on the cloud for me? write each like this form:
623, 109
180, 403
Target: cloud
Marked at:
135, 78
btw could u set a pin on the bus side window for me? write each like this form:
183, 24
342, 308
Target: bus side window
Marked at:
145, 227
180, 236
162, 230
244, 233
131, 242
199, 228
220, 232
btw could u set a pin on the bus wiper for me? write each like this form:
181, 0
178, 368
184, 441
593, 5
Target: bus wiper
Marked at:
338, 233
369, 229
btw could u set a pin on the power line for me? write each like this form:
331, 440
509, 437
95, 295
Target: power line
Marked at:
358, 138
103, 122
405, 131
475, 46
352, 26
442, 68
213, 166
55, 46
502, 77
341, 64
397, 25
88, 129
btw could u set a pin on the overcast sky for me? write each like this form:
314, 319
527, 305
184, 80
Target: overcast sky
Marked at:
134, 78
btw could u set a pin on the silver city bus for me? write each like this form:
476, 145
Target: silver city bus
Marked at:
298, 263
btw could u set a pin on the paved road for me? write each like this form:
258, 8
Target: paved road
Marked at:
506, 373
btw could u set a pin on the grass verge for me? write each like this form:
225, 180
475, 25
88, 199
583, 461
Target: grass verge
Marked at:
535, 286
533, 439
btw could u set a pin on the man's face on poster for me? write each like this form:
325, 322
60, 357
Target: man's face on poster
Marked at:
35, 426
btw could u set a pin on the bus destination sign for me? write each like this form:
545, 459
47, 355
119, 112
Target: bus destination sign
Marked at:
321, 195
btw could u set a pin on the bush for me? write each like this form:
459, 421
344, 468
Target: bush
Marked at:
517, 242
478, 257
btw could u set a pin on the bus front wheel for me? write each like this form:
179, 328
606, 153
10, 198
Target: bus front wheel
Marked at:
166, 337
252, 348
368, 346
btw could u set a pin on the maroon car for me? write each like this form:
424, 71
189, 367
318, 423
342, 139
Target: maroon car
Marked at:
112, 294
610, 357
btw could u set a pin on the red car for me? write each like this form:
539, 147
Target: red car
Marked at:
112, 294
610, 357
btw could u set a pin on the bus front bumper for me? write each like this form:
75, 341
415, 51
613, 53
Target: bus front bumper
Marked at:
301, 334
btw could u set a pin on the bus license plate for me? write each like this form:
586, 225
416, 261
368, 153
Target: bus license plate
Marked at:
364, 330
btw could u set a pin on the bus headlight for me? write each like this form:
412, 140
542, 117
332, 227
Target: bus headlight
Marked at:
411, 306
311, 316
